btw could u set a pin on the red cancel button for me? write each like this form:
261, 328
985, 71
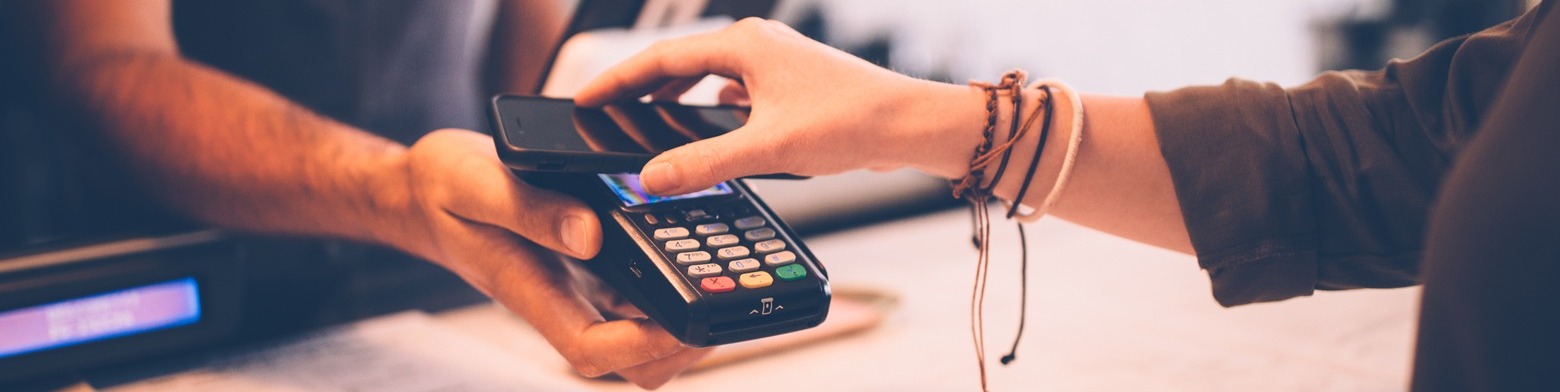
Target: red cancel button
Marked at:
717, 284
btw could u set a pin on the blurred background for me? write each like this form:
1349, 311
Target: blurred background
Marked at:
1109, 47
58, 189
52, 191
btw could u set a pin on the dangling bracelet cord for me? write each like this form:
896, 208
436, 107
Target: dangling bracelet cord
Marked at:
979, 194
1023, 238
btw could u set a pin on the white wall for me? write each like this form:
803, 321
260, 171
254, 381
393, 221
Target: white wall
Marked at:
1120, 47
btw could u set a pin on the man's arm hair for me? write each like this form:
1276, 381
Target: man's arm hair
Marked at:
209, 144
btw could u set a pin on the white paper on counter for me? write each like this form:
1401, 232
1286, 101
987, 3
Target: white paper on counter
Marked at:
401, 352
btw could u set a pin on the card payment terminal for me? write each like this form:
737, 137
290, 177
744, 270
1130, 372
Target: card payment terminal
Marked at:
712, 267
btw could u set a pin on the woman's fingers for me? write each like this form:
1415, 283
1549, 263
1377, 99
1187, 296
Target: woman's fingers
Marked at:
665, 61
674, 89
643, 124
717, 52
734, 93
826, 110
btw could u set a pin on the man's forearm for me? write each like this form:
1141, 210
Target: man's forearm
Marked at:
235, 154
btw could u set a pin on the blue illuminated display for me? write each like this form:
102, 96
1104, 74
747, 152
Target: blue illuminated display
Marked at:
101, 316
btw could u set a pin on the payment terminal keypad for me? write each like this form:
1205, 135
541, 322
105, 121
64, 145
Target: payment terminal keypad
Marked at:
723, 248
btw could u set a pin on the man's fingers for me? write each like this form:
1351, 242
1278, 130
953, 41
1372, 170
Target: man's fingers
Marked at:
550, 219
707, 162
489, 194
609, 346
541, 289
688, 57
611, 305
547, 218
490, 212
654, 374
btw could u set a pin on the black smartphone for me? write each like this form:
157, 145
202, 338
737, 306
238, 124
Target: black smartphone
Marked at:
549, 134
711, 267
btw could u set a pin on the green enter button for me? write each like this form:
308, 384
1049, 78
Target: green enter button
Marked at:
791, 272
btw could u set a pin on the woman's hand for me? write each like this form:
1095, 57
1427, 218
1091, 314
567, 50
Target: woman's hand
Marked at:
815, 110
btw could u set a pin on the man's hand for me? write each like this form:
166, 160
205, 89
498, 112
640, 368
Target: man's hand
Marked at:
469, 214
447, 199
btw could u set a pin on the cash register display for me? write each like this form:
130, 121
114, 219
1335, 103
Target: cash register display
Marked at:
628, 190
97, 317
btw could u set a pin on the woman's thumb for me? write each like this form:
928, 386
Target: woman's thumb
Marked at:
702, 164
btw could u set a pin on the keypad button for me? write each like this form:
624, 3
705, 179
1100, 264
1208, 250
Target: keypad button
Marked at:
696, 215
756, 279
721, 240
791, 272
651, 219
693, 257
749, 222
682, 245
711, 229
734, 252
703, 270
759, 234
769, 246
717, 284
671, 233
744, 265
781, 258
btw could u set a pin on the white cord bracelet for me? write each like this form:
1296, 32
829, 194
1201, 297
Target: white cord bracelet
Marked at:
1074, 140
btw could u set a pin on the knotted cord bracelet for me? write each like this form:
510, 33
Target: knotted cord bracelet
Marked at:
979, 192
972, 188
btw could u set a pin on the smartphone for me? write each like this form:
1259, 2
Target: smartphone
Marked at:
712, 267
549, 134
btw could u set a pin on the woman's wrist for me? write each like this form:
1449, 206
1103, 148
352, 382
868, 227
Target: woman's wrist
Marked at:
940, 124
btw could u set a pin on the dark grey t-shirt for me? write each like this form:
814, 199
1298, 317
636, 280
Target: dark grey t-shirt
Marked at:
399, 68
1327, 185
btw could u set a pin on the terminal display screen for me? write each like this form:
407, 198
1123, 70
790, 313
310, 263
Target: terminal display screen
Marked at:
100, 316
628, 190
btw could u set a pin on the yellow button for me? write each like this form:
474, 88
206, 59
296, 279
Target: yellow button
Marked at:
756, 279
